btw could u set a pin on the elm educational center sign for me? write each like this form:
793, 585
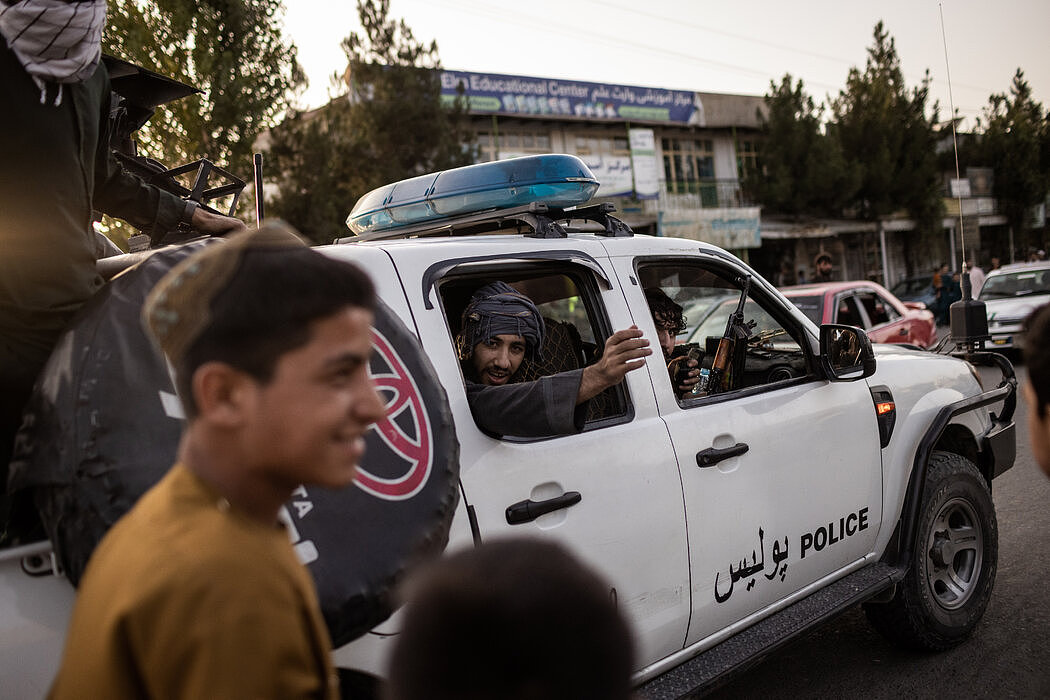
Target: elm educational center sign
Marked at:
490, 93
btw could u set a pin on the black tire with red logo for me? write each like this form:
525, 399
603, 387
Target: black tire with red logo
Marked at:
103, 426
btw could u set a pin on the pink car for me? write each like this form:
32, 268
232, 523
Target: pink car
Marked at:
867, 305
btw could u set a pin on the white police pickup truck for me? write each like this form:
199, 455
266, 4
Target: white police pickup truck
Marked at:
820, 472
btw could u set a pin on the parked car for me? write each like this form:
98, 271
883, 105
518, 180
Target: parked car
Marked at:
1010, 294
918, 289
821, 472
866, 305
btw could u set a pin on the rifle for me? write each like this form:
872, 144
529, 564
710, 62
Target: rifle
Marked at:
736, 331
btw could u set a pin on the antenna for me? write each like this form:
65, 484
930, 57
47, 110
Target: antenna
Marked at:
968, 317
955, 144
258, 160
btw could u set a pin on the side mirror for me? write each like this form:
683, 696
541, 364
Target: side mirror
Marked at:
845, 353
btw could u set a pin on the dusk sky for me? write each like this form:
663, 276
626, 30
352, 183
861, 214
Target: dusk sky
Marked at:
733, 47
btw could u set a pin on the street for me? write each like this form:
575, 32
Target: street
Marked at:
1007, 657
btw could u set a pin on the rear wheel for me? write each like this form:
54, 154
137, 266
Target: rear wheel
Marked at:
950, 578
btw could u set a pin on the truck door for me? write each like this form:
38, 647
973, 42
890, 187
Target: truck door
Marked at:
782, 470
614, 489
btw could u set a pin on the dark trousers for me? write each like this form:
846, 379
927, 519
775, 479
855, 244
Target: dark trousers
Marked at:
19, 367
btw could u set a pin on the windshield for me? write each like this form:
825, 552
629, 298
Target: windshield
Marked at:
714, 325
811, 306
915, 285
1016, 284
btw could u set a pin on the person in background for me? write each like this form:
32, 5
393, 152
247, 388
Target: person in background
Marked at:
1036, 388
55, 168
822, 268
952, 293
940, 292
976, 277
516, 619
197, 592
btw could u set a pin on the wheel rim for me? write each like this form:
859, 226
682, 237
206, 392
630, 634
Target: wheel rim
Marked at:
955, 553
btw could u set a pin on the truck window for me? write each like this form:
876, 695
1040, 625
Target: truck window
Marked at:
575, 327
770, 354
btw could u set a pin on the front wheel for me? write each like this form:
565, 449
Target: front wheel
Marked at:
952, 571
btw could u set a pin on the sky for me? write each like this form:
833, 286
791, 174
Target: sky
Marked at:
730, 46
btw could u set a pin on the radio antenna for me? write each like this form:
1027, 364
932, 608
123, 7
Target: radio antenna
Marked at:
259, 199
968, 317
955, 144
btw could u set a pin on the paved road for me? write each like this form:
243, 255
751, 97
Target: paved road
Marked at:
1008, 656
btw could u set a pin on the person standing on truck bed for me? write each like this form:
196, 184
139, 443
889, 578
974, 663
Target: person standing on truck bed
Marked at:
55, 167
197, 592
500, 327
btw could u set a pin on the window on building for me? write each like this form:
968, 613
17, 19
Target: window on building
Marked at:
511, 143
746, 157
689, 168
587, 145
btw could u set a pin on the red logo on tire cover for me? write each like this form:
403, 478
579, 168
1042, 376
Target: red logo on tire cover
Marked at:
402, 395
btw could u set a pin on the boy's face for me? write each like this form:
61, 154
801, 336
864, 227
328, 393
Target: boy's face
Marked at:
1038, 429
307, 424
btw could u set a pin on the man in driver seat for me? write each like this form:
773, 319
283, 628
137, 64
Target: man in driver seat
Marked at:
500, 328
669, 319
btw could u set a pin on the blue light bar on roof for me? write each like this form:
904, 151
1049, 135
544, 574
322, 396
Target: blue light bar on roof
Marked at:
555, 180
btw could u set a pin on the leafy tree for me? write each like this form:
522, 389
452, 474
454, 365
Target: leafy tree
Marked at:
312, 157
801, 169
233, 50
886, 131
1016, 143
392, 124
395, 82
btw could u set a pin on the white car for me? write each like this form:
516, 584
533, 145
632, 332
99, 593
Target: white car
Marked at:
726, 522
1010, 295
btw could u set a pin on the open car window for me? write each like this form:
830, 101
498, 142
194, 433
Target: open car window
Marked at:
849, 312
773, 350
575, 326
879, 309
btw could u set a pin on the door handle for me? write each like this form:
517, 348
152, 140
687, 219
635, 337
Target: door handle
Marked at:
713, 455
902, 331
526, 511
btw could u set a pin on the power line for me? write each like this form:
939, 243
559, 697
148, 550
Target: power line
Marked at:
547, 26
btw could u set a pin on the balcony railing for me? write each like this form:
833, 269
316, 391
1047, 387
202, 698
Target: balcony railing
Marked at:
703, 194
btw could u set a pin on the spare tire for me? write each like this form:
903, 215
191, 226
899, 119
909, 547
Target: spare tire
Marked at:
103, 426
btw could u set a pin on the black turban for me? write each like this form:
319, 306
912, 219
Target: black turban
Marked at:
499, 309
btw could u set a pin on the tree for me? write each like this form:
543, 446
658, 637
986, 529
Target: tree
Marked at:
1015, 143
312, 157
801, 169
886, 131
233, 50
391, 125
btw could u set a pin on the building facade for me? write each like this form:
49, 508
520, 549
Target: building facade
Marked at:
670, 160
673, 161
